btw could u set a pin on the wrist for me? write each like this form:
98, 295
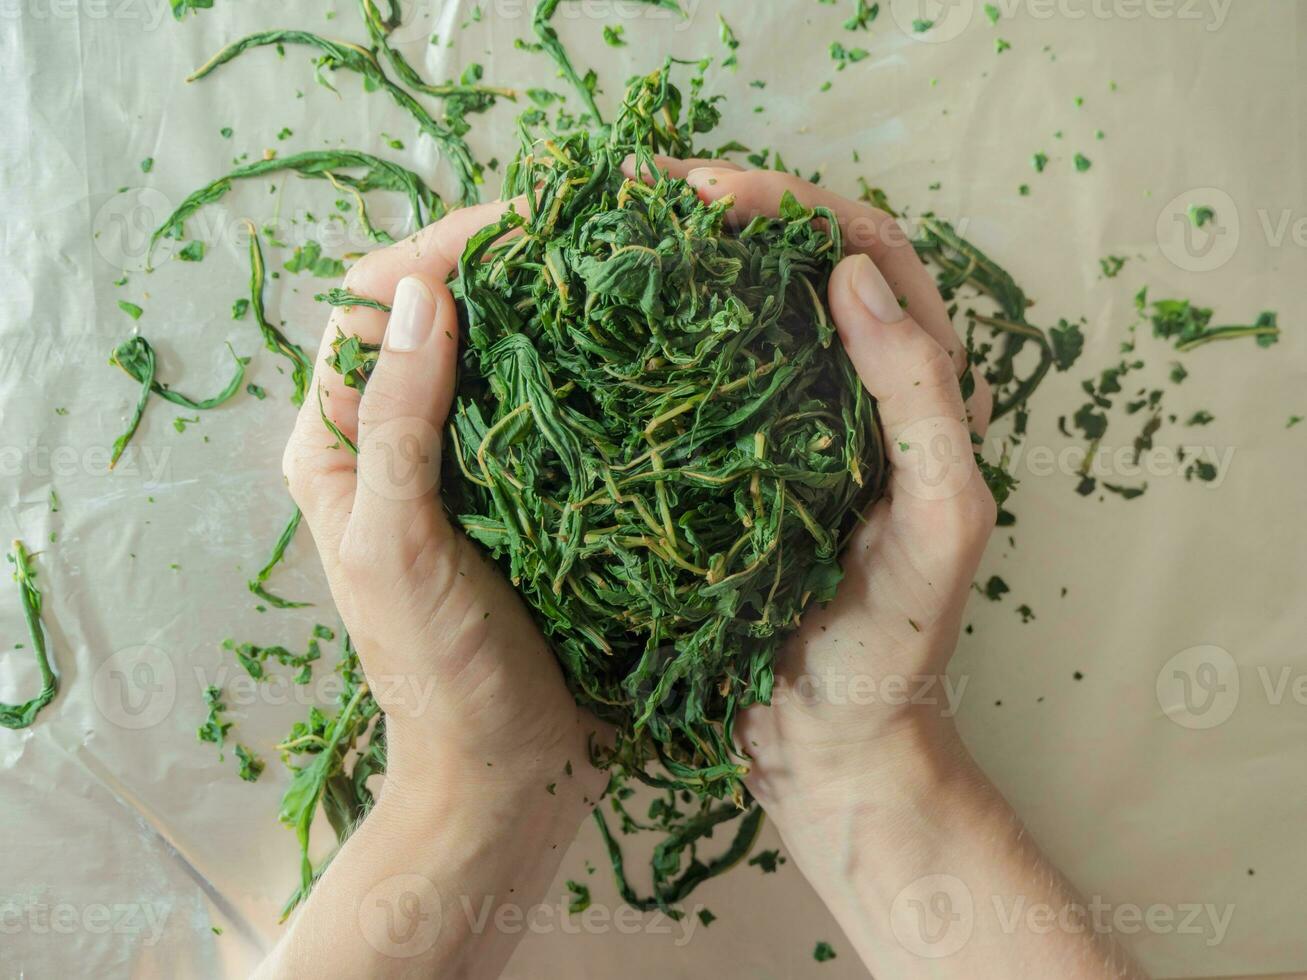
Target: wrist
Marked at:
820, 777
426, 876
439, 775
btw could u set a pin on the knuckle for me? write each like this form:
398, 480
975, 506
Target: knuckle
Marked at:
935, 368
362, 273
295, 469
290, 465
966, 524
984, 507
380, 402
305, 472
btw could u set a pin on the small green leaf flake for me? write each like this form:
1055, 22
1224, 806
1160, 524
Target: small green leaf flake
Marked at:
215, 728
863, 15
843, 57
824, 952
1083, 163
995, 589
250, 765
193, 252
767, 861
580, 897
729, 41
131, 309
1112, 265
1068, 342
309, 258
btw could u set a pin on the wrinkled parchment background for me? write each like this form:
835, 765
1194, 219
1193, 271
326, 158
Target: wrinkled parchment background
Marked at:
124, 840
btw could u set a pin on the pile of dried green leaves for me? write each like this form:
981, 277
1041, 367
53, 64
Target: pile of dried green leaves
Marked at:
654, 433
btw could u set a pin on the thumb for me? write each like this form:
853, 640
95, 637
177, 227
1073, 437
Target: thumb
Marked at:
919, 400
403, 409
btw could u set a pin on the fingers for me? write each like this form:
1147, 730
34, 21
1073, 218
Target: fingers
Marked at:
980, 406
680, 169
403, 411
865, 229
320, 473
934, 475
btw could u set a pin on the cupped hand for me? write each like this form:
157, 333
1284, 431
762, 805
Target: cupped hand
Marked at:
862, 681
469, 686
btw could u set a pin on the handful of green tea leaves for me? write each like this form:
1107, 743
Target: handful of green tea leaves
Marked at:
655, 432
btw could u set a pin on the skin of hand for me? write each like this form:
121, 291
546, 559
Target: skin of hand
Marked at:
449, 650
488, 770
866, 797
857, 760
909, 566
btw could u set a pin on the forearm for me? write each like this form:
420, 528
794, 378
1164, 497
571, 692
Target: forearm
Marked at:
931, 874
417, 889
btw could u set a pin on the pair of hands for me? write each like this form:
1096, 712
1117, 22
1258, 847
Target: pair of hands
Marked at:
470, 689
912, 850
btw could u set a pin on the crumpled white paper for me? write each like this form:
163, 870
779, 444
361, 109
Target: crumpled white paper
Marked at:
126, 842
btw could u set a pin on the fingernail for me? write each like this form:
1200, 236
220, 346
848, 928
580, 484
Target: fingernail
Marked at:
870, 286
412, 315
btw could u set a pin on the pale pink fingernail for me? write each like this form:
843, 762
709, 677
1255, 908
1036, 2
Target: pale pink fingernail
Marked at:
412, 315
871, 287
